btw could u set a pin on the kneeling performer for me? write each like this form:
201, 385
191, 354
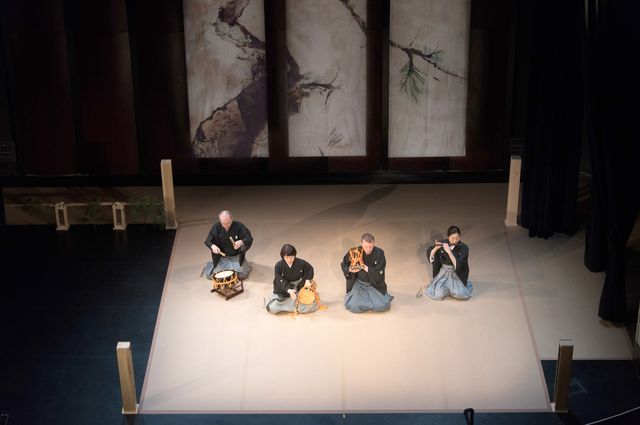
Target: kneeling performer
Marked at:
450, 259
293, 288
363, 268
229, 241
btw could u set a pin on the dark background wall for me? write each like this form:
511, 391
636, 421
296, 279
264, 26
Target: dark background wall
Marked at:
99, 57
36, 58
99, 88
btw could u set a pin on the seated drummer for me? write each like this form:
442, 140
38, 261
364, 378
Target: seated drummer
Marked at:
291, 275
366, 287
229, 241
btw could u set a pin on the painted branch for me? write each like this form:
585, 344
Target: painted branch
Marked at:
427, 57
410, 51
352, 10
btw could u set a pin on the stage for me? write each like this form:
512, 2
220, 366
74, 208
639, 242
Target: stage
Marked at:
212, 355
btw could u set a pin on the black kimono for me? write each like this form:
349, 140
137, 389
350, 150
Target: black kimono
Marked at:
460, 252
375, 277
220, 237
285, 276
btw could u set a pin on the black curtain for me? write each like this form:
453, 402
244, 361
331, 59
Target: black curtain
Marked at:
3, 221
610, 40
553, 118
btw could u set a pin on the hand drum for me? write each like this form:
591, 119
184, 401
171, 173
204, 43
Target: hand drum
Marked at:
355, 256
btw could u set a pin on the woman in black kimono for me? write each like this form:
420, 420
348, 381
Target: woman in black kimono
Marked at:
450, 259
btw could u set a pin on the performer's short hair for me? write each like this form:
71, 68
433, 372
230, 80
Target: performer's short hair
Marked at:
452, 230
288, 249
225, 212
367, 237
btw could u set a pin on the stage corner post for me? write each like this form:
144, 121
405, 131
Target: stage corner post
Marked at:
560, 402
638, 330
127, 380
513, 196
168, 194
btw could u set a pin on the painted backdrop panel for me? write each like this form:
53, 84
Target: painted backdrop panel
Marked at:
226, 77
429, 42
326, 40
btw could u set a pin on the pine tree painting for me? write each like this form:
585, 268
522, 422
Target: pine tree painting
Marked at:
326, 76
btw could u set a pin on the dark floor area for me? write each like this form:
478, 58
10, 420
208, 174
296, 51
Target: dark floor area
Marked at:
67, 298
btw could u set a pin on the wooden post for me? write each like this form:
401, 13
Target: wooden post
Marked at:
563, 376
3, 219
638, 329
513, 196
62, 216
127, 380
119, 219
168, 194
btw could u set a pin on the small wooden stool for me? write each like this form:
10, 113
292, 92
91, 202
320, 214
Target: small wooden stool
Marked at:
230, 292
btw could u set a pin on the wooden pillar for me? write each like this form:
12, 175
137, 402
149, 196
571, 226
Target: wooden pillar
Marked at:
513, 196
62, 216
168, 195
119, 219
127, 380
563, 376
3, 220
638, 329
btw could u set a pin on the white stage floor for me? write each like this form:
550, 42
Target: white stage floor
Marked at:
211, 355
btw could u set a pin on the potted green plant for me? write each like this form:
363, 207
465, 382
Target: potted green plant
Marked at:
149, 208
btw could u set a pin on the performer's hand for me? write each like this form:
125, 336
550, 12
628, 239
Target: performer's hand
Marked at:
292, 294
366, 268
238, 244
446, 247
307, 284
215, 249
438, 243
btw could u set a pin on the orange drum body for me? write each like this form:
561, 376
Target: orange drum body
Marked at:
228, 278
355, 257
227, 284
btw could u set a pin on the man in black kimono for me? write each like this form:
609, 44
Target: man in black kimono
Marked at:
228, 242
366, 286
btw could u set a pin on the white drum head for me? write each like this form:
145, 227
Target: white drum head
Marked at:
223, 274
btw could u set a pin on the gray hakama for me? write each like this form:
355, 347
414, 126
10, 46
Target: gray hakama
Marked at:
276, 305
364, 297
279, 304
228, 263
448, 284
